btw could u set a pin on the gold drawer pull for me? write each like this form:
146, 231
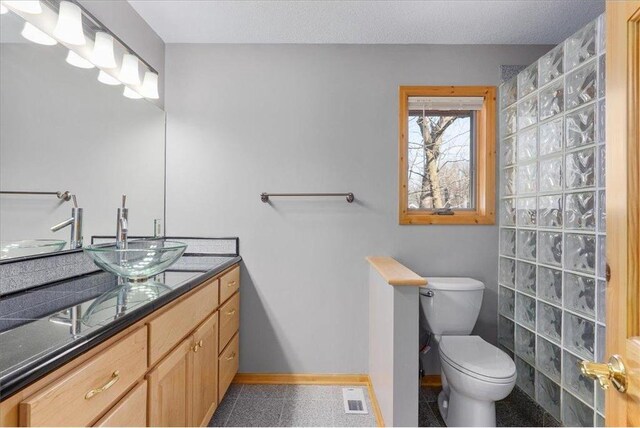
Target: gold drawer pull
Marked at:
115, 376
231, 312
231, 283
197, 346
232, 356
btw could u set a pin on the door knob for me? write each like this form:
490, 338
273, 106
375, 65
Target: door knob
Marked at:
611, 373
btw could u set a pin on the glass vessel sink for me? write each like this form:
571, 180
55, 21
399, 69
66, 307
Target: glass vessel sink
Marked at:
142, 259
29, 247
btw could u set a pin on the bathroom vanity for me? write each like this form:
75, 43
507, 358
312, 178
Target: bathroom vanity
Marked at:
156, 353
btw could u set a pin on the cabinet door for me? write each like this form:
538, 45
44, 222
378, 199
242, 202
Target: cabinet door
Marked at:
131, 411
205, 371
169, 389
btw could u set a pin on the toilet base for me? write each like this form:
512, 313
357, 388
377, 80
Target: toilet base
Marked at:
458, 410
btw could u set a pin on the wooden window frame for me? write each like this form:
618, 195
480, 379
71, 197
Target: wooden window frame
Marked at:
484, 151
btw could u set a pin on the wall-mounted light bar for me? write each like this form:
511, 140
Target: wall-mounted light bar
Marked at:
90, 43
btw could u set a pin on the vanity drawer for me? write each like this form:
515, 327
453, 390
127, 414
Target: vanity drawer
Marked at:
229, 319
79, 397
131, 411
229, 283
228, 366
170, 327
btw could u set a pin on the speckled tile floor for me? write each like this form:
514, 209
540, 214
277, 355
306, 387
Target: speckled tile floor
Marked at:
287, 406
517, 410
321, 406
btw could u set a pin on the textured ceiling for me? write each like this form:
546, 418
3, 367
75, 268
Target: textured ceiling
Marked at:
368, 21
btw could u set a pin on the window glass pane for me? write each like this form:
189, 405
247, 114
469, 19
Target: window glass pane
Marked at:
440, 159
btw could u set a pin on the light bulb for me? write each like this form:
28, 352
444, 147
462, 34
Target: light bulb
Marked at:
102, 54
150, 85
77, 61
36, 35
108, 79
129, 71
26, 6
3, 9
69, 26
130, 93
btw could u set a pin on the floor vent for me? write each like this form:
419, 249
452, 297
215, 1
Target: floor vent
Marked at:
354, 401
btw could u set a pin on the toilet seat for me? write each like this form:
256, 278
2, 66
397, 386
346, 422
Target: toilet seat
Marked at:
477, 358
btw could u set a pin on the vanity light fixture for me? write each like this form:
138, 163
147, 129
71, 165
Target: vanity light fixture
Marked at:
129, 71
102, 54
36, 35
27, 6
69, 26
130, 93
107, 79
150, 85
69, 30
77, 61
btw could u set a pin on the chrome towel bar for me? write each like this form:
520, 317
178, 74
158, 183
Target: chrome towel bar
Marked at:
66, 195
264, 197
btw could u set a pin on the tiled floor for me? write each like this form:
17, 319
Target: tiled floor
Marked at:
312, 405
287, 405
517, 410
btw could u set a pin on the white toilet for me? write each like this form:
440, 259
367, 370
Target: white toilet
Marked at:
475, 374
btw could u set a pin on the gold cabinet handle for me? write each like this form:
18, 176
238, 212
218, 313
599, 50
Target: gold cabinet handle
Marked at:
232, 356
231, 312
231, 283
115, 377
607, 374
197, 346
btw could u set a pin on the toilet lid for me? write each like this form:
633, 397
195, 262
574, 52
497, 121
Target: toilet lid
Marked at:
453, 284
474, 356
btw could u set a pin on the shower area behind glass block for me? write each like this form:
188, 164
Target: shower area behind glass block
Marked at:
552, 225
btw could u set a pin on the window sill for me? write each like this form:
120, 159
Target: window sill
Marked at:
466, 218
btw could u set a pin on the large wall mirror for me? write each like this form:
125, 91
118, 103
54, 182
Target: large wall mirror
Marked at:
61, 130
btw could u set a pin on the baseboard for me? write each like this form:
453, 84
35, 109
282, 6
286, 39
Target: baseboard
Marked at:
432, 381
314, 379
301, 379
374, 403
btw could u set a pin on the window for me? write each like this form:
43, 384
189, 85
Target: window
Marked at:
447, 155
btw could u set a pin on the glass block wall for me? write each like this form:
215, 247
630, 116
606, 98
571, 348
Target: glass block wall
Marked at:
552, 229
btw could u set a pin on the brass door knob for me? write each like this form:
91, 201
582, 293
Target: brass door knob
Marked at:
611, 373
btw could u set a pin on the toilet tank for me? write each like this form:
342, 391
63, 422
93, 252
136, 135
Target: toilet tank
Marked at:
451, 305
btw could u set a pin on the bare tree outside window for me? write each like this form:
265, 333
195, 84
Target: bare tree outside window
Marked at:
440, 160
446, 162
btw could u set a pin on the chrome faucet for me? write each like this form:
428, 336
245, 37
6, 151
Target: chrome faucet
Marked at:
75, 221
122, 225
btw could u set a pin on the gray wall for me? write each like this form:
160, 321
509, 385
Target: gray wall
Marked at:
243, 119
129, 26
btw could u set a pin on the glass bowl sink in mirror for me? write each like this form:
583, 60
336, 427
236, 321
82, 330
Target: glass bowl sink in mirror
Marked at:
122, 300
142, 259
29, 247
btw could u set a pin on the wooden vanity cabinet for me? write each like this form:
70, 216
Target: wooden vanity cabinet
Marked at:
183, 386
79, 397
127, 411
169, 393
171, 368
204, 383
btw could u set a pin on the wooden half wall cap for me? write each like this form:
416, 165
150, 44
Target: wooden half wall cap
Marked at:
395, 273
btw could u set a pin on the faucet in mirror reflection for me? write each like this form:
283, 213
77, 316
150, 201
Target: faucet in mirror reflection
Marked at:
75, 221
122, 225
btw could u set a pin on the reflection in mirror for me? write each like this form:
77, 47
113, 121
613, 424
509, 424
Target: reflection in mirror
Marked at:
62, 128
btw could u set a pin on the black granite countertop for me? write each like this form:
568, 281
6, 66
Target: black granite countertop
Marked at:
43, 328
